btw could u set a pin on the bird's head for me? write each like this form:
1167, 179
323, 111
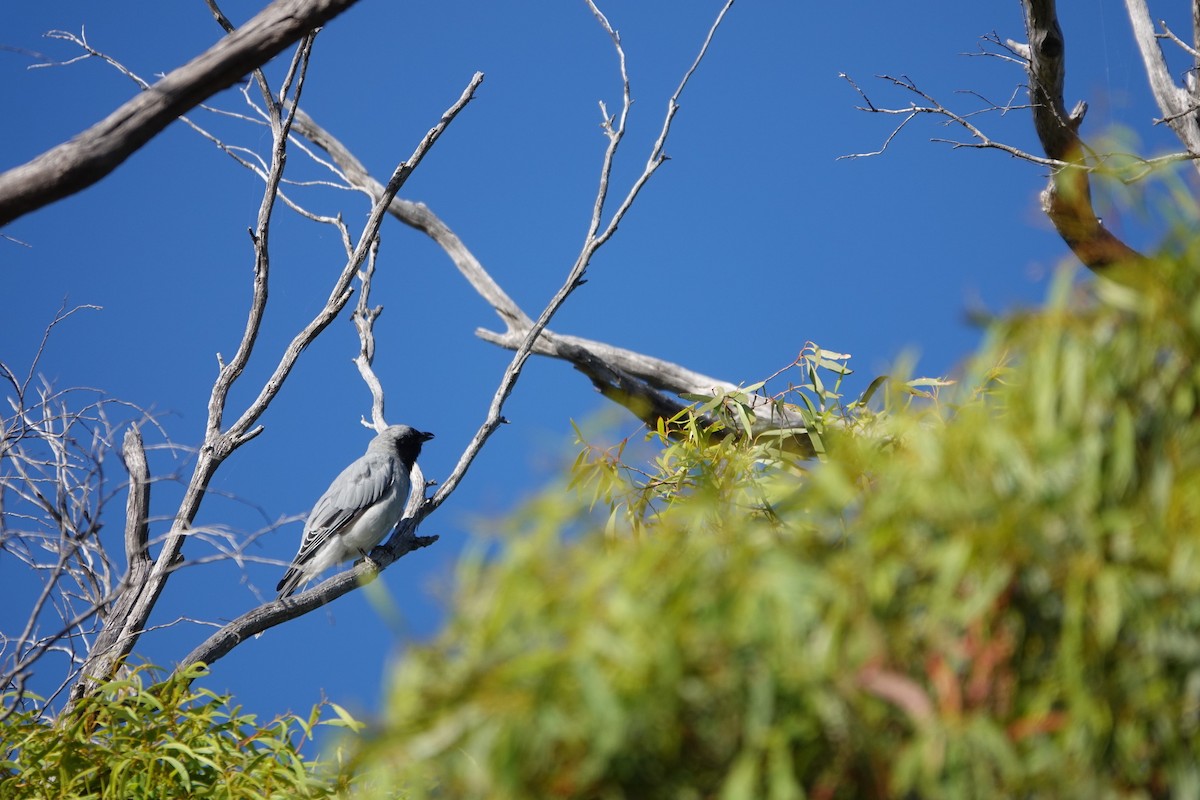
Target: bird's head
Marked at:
403, 441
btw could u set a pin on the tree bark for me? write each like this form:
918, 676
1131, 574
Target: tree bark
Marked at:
76, 164
1067, 200
1178, 105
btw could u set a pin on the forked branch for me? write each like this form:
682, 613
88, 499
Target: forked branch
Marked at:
276, 612
1180, 105
527, 336
1067, 198
649, 387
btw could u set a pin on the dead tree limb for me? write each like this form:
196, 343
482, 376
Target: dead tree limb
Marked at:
647, 386
1180, 105
131, 613
276, 612
1067, 200
76, 164
526, 335
53, 495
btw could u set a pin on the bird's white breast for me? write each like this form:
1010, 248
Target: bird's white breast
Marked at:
374, 524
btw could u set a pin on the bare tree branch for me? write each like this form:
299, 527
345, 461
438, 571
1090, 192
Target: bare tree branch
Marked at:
280, 127
137, 509
652, 389
364, 322
1187, 48
404, 539
595, 239
53, 495
88, 157
934, 108
1178, 105
642, 383
418, 216
119, 636
1125, 167
1067, 199
277, 611
242, 155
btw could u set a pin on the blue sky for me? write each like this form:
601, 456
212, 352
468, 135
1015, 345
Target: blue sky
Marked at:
751, 241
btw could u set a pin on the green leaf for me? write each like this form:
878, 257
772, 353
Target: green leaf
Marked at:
344, 718
872, 388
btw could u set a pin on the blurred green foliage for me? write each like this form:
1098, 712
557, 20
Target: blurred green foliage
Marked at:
985, 590
132, 741
990, 589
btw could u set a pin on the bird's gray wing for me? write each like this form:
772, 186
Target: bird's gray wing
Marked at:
360, 486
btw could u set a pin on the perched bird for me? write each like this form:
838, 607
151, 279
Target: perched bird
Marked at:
359, 507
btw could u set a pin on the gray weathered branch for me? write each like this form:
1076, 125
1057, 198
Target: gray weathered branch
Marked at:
88, 157
1180, 107
137, 510
52, 502
418, 216
276, 612
1067, 198
649, 387
119, 636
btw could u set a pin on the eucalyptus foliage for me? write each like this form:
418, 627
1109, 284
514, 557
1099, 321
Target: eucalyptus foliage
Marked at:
167, 740
985, 590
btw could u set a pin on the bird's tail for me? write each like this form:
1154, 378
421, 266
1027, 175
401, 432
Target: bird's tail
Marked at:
288, 583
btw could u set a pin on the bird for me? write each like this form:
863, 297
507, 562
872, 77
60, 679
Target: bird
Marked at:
358, 509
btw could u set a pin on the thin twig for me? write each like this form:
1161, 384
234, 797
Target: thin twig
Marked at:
364, 317
575, 277
934, 108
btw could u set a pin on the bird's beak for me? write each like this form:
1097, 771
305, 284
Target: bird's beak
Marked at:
425, 437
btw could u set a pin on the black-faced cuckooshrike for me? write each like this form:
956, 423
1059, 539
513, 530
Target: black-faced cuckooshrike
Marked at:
359, 507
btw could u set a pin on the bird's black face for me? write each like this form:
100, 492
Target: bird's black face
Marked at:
408, 442
421, 438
